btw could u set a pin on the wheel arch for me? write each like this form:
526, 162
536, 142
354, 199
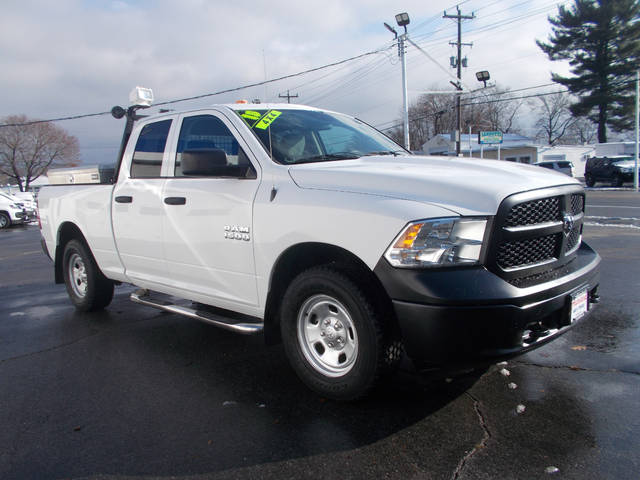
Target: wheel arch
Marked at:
300, 257
66, 232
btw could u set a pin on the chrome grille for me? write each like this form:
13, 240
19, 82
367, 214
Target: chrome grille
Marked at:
531, 251
536, 211
535, 232
573, 239
577, 203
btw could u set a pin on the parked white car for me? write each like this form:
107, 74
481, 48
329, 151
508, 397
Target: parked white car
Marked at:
10, 212
26, 198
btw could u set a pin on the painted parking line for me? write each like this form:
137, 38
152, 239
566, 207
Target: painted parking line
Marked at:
610, 206
618, 225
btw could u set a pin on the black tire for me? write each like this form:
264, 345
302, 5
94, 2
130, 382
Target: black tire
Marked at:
589, 180
87, 287
618, 181
342, 311
5, 221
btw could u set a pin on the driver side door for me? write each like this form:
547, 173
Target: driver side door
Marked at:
208, 227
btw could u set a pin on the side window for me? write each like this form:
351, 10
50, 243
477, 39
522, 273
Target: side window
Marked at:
147, 157
206, 132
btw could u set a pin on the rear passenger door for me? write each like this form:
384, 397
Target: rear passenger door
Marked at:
137, 206
208, 228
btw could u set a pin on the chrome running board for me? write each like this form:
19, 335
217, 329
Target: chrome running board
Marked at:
143, 297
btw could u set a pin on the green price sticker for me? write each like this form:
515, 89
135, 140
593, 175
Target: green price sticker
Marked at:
267, 120
251, 115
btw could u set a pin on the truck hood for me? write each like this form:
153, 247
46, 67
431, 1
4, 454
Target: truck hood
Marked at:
465, 186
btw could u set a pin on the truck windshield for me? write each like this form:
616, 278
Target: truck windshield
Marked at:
304, 136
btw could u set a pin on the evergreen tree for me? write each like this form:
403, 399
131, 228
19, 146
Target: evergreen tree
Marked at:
601, 40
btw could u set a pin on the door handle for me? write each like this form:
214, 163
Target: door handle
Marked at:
175, 200
124, 199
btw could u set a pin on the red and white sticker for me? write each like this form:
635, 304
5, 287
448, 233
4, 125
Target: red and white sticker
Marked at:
579, 304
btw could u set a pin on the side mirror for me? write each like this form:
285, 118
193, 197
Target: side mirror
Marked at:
208, 162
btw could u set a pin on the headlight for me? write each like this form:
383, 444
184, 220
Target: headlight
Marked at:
439, 242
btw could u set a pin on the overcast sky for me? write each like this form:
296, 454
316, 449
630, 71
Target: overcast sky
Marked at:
71, 57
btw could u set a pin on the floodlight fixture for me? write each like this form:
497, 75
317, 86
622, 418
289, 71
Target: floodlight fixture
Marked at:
391, 29
402, 19
141, 97
483, 76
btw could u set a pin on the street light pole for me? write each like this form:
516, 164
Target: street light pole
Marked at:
405, 100
402, 19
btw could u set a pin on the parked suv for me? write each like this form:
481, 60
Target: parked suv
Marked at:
563, 166
614, 169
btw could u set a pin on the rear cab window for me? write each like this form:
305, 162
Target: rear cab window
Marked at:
147, 156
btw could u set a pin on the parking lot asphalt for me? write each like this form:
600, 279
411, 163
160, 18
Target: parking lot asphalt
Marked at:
135, 393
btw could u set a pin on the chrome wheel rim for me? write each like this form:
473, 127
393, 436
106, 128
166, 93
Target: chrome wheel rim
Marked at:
327, 336
3, 221
78, 275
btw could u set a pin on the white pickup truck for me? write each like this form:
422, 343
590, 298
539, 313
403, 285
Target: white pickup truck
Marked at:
319, 231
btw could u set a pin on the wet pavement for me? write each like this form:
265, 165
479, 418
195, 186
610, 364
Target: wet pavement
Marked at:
132, 392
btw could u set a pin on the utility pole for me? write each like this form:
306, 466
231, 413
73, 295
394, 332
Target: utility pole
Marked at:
635, 169
288, 97
459, 17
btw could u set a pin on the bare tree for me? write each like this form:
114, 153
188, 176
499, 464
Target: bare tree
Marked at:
553, 117
432, 114
429, 115
28, 151
496, 110
582, 131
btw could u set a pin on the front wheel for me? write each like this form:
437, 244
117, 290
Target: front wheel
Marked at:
87, 287
5, 221
332, 334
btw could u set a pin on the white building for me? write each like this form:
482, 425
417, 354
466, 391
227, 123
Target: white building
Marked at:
611, 149
514, 148
576, 154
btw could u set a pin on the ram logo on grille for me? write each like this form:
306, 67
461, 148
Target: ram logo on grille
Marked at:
567, 224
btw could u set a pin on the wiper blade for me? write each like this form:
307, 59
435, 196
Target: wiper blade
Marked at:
384, 152
328, 156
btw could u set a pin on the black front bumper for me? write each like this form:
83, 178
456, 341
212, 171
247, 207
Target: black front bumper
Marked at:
469, 315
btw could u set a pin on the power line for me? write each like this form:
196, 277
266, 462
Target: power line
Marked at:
498, 100
205, 95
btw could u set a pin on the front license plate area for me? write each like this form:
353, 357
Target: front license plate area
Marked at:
579, 304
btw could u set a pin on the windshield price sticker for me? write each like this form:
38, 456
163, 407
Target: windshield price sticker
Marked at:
267, 120
251, 115
579, 304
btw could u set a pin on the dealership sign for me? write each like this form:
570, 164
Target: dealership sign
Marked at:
489, 137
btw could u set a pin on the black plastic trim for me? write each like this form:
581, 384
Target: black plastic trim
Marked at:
463, 286
451, 315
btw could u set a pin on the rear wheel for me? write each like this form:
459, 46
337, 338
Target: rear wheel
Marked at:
5, 221
589, 180
332, 334
618, 181
87, 287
